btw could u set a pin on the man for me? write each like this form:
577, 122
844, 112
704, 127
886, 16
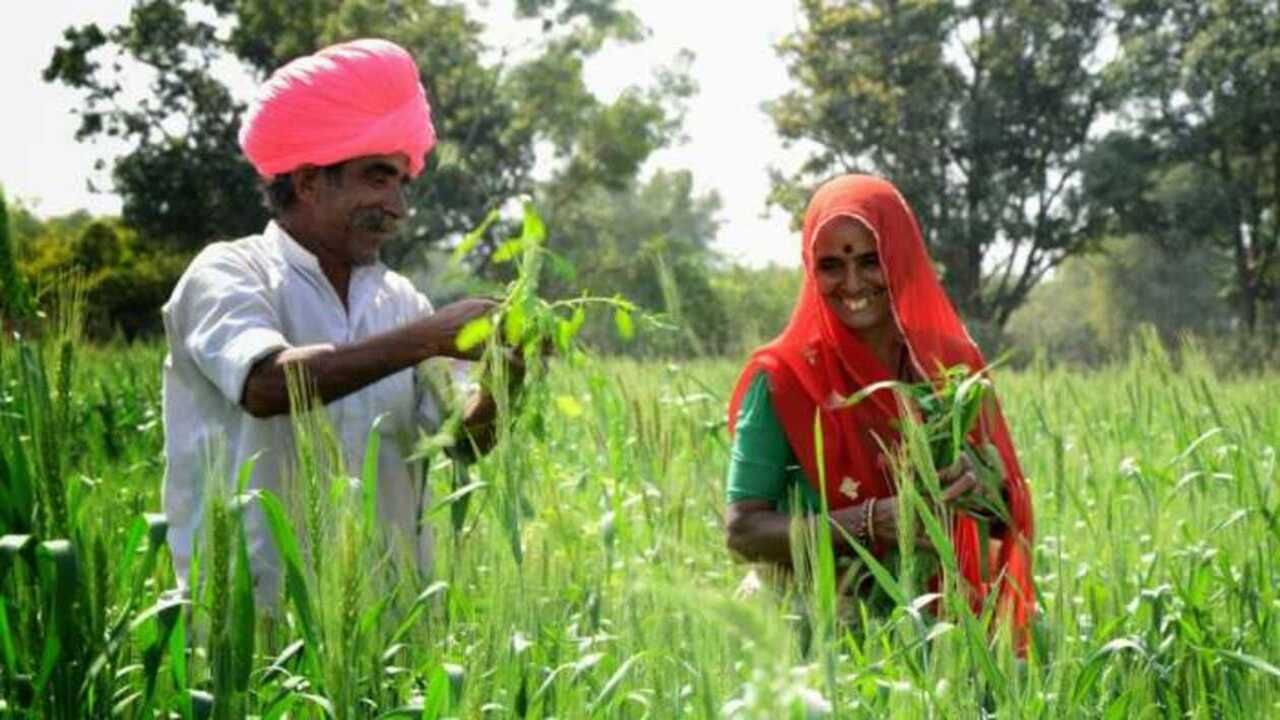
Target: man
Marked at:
335, 137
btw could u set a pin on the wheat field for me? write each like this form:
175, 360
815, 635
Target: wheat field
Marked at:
581, 568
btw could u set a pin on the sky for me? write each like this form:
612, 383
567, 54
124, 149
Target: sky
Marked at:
730, 141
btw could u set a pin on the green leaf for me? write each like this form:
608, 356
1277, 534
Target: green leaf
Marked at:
167, 615
321, 702
825, 563
157, 529
246, 473
564, 335
369, 475
457, 495
59, 572
178, 653
471, 239
8, 651
287, 544
242, 612
513, 324
437, 700
622, 320
569, 406
1252, 661
1092, 670
11, 548
474, 333
867, 391
606, 693
534, 231
967, 403
882, 575
508, 251
566, 330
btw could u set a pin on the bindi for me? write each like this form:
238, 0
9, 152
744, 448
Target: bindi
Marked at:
848, 249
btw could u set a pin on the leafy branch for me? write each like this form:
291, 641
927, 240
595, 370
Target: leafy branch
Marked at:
949, 407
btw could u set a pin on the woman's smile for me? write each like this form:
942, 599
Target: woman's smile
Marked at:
864, 301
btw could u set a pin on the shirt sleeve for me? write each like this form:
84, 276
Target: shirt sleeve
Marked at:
220, 315
761, 454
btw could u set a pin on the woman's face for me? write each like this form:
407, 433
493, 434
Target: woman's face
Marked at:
849, 276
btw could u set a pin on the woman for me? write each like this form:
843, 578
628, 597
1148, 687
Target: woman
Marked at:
870, 309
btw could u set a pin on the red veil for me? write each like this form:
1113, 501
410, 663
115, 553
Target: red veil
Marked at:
817, 358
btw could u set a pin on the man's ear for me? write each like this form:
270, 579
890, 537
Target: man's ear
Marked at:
306, 183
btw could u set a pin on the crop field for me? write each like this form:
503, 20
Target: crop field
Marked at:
581, 568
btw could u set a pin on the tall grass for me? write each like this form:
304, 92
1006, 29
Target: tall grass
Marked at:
584, 572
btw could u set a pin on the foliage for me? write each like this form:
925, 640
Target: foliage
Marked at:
757, 302
1198, 162
979, 112
650, 243
185, 183
950, 409
125, 279
1156, 560
15, 301
1094, 305
1056, 322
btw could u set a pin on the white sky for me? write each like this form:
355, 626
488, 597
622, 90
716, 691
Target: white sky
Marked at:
731, 142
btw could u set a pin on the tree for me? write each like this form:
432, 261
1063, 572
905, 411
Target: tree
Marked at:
649, 242
125, 279
1093, 305
758, 302
185, 181
15, 303
979, 112
1199, 160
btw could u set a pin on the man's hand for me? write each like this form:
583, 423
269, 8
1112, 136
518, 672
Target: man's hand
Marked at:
440, 330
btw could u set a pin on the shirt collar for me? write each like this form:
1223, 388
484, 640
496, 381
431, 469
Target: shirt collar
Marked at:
303, 259
364, 278
293, 252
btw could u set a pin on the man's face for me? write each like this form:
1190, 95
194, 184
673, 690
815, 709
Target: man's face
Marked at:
360, 205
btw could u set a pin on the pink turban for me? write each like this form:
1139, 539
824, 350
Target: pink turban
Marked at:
357, 98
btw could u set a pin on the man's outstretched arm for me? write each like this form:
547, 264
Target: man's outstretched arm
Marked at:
335, 371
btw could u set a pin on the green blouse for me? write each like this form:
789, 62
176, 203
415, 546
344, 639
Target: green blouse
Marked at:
762, 465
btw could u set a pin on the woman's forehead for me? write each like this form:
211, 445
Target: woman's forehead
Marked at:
844, 235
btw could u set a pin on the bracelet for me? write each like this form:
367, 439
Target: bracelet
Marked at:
869, 522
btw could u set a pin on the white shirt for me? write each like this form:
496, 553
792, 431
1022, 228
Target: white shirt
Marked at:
237, 303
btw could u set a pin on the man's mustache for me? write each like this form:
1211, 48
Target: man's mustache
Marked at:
375, 220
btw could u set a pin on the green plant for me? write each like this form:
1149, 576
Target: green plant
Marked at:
950, 407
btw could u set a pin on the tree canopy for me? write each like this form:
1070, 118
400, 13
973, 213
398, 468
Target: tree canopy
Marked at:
186, 183
1197, 161
980, 112
1125, 151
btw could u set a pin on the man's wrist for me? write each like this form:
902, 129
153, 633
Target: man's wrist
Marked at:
431, 340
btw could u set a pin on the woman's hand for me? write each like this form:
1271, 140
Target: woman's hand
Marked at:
958, 481
962, 489
874, 522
